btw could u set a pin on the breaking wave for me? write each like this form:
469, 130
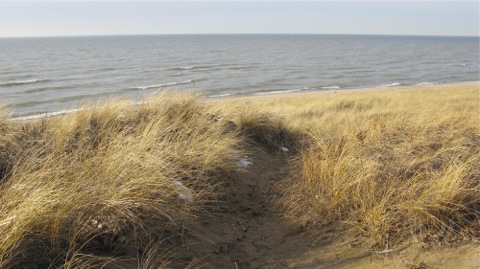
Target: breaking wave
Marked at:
146, 87
22, 82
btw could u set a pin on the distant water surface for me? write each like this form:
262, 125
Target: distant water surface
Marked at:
39, 75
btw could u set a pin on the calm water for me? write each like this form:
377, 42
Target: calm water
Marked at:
39, 75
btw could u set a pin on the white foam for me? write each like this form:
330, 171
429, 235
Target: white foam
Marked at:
47, 115
163, 85
391, 84
19, 82
277, 92
26, 81
330, 87
424, 83
459, 64
220, 95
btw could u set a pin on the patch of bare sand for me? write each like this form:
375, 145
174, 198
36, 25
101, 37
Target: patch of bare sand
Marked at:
410, 255
248, 232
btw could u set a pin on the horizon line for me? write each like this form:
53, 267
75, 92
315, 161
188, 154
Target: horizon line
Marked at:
185, 34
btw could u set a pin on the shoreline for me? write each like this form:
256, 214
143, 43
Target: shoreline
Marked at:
304, 93
290, 94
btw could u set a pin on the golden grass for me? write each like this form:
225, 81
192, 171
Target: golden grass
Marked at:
113, 180
107, 180
384, 166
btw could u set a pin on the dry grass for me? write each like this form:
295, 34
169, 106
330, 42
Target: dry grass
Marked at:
263, 127
79, 190
8, 144
107, 180
384, 167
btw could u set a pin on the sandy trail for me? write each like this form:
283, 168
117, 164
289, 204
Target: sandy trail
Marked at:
247, 231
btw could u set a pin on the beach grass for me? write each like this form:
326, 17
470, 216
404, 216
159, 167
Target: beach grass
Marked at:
110, 179
384, 166
118, 179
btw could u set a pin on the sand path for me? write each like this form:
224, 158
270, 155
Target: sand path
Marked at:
247, 231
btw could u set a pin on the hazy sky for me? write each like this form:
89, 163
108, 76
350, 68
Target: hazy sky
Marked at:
40, 18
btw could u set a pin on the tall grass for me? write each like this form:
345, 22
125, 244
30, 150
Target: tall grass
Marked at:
8, 143
386, 167
109, 179
263, 127
117, 179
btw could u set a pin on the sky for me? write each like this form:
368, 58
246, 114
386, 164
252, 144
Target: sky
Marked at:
79, 18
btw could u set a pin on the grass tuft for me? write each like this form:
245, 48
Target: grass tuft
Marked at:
111, 179
406, 166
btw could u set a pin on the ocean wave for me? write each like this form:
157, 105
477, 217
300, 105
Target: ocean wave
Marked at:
177, 75
424, 83
42, 89
22, 82
330, 87
193, 67
391, 84
146, 87
450, 63
298, 90
243, 67
461, 64
437, 62
47, 115
65, 99
220, 95
277, 92
319, 88
104, 69
180, 68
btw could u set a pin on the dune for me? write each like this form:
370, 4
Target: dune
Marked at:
363, 178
